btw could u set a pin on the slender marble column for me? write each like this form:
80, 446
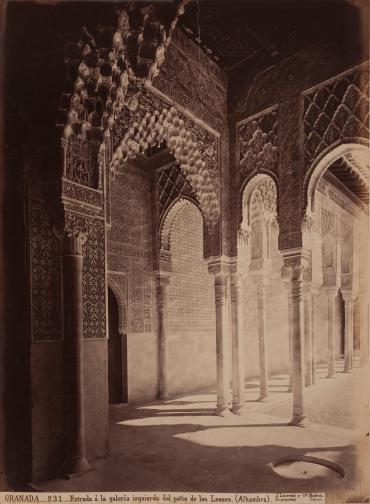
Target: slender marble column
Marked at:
348, 330
261, 284
290, 329
162, 281
237, 344
331, 295
308, 330
73, 327
364, 331
314, 294
295, 263
222, 338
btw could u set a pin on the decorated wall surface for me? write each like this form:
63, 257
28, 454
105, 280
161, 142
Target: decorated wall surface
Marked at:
130, 270
191, 308
316, 110
198, 84
129, 246
45, 262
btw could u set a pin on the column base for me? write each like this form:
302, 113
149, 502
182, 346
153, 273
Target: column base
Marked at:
77, 466
299, 421
239, 409
163, 396
308, 381
263, 396
330, 375
222, 411
347, 370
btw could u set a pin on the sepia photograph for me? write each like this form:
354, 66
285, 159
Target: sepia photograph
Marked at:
184, 249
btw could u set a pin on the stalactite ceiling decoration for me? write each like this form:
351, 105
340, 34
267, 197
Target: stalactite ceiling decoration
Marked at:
111, 75
195, 149
107, 67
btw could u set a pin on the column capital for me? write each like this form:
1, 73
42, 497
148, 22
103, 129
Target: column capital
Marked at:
162, 277
331, 291
220, 289
235, 288
261, 278
244, 233
162, 282
73, 242
348, 295
165, 261
71, 228
296, 261
222, 265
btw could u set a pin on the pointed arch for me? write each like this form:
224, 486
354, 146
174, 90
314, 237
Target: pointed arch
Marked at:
122, 317
247, 191
169, 217
359, 148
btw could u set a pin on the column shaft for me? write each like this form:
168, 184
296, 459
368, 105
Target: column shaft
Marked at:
290, 337
223, 385
73, 325
348, 333
308, 337
313, 334
261, 340
237, 345
331, 334
364, 332
162, 284
296, 319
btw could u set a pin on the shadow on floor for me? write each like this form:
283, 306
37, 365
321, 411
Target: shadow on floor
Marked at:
213, 458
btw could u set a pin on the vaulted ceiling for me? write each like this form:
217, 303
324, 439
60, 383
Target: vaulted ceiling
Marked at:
238, 31
240, 35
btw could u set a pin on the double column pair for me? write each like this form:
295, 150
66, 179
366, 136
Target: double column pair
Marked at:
221, 270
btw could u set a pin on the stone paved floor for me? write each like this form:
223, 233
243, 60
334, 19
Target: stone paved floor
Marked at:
179, 445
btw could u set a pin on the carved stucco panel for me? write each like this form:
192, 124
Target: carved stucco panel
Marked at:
93, 280
45, 251
334, 111
289, 174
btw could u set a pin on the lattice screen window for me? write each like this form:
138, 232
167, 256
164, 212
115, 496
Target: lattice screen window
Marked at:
190, 293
